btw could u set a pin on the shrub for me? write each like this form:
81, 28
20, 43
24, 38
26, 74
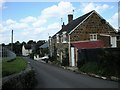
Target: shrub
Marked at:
25, 80
80, 63
32, 55
65, 62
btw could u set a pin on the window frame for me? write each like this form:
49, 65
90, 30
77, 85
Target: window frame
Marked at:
57, 38
64, 37
93, 37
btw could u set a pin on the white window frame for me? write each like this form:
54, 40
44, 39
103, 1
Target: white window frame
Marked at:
57, 38
93, 37
64, 37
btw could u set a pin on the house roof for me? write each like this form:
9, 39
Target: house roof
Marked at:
88, 44
71, 25
27, 46
45, 45
74, 23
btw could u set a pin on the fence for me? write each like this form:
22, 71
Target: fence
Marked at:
96, 54
6, 53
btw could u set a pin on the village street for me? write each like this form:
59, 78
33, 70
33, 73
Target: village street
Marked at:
49, 76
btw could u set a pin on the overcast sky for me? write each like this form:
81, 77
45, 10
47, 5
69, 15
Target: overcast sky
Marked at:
39, 20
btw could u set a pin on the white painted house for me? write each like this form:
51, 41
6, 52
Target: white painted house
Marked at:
26, 50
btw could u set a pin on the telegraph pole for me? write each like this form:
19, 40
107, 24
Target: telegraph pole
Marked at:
12, 41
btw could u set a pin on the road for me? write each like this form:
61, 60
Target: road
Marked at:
50, 76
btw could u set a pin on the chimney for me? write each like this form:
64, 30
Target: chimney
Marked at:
70, 18
63, 25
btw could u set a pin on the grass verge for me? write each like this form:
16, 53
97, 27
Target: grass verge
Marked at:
92, 67
15, 66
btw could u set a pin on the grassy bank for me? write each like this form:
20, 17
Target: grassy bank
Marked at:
92, 67
14, 66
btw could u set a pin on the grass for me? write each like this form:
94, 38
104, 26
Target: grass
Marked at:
89, 67
92, 67
14, 66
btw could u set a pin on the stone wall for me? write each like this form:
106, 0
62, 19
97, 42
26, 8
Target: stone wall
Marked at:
93, 25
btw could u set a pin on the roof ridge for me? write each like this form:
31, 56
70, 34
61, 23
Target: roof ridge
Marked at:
84, 15
70, 26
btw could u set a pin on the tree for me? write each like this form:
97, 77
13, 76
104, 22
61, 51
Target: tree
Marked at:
17, 48
3, 44
38, 44
30, 42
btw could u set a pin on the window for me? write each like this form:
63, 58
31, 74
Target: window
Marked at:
93, 37
57, 38
64, 38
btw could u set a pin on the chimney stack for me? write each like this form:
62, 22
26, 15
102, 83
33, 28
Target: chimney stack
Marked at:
63, 25
70, 18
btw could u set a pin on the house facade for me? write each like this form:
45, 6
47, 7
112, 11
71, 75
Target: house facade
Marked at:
26, 50
87, 31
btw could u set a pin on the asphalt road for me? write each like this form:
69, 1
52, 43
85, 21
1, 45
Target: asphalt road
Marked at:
50, 76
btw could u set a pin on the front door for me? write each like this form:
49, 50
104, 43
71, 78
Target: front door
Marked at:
113, 42
72, 56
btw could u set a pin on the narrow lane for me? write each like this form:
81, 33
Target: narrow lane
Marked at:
49, 76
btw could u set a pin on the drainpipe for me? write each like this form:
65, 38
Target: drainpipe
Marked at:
69, 50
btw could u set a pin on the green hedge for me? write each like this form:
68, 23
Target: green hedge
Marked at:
24, 81
106, 64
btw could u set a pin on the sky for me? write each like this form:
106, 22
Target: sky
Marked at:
39, 20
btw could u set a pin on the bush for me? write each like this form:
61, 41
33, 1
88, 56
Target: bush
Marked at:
29, 80
26, 80
32, 55
80, 63
65, 62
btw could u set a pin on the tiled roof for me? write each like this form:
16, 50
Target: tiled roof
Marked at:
88, 44
70, 26
45, 45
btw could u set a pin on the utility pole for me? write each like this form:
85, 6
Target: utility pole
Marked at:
12, 41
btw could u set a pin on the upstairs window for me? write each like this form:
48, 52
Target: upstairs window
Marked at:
57, 38
93, 37
64, 37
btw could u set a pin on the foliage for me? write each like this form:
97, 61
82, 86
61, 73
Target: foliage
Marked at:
90, 67
65, 61
29, 80
80, 63
53, 58
15, 66
32, 55
26, 80
108, 64
38, 44
43, 51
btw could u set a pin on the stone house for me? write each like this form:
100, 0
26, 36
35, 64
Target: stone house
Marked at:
87, 31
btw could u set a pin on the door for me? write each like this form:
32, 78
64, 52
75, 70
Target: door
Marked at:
72, 56
113, 41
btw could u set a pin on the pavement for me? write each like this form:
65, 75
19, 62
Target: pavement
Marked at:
50, 76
